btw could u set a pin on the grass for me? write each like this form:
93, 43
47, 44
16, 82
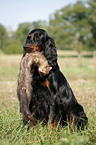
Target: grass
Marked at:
81, 74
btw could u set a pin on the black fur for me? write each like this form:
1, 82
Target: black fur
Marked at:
59, 103
39, 105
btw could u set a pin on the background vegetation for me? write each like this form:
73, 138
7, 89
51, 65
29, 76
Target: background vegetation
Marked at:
72, 27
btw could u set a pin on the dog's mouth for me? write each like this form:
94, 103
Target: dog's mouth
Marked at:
28, 48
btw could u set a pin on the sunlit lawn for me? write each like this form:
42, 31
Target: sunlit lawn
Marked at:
81, 75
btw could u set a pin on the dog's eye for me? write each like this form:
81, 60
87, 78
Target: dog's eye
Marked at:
35, 34
28, 37
36, 37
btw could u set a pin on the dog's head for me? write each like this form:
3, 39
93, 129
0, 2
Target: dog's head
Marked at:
38, 40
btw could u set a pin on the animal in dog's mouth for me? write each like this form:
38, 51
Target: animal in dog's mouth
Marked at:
26, 79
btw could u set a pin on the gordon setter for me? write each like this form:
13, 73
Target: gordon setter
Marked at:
62, 106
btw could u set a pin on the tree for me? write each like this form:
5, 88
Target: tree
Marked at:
92, 22
38, 24
60, 30
22, 32
74, 26
3, 36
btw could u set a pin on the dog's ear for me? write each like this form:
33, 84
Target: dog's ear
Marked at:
50, 51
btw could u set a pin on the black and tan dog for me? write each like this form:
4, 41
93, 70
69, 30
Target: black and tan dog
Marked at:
62, 106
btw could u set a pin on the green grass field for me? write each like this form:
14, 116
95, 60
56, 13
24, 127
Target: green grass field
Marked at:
81, 75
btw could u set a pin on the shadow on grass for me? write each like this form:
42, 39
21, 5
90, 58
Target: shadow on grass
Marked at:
75, 56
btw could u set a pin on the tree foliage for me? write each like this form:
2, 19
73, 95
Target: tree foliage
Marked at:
72, 27
3, 36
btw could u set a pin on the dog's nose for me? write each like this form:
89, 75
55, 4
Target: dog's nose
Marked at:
26, 47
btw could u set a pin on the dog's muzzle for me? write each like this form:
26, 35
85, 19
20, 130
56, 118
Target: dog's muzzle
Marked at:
26, 46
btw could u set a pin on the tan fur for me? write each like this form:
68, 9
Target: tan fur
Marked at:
25, 78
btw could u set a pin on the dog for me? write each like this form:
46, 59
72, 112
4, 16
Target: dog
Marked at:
63, 107
26, 86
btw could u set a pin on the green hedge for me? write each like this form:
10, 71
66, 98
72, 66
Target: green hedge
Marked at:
14, 47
